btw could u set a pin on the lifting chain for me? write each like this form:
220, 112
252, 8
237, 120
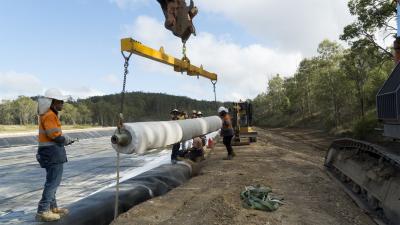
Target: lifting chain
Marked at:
126, 71
184, 58
214, 82
119, 126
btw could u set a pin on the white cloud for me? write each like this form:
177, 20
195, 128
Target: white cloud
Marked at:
126, 4
287, 25
242, 70
82, 92
14, 84
290, 25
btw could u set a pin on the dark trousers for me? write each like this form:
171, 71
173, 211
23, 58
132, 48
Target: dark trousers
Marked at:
175, 151
53, 179
227, 140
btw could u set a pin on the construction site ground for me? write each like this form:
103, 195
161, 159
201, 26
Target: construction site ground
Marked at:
290, 161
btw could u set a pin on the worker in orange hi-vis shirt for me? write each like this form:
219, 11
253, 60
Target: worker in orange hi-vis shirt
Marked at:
51, 155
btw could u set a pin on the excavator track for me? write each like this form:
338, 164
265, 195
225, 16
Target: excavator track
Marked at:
370, 175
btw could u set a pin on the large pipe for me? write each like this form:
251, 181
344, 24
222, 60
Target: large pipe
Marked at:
142, 136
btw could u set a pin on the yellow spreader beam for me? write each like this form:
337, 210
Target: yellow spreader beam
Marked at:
135, 47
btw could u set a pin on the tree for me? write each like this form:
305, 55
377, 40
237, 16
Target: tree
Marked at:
25, 110
6, 113
331, 87
83, 116
373, 16
69, 114
358, 61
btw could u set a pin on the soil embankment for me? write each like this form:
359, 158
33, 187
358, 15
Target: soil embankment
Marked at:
288, 160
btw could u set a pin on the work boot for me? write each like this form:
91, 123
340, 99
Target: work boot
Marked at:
229, 157
47, 216
174, 161
60, 211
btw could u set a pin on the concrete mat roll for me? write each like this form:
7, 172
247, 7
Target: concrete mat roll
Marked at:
151, 135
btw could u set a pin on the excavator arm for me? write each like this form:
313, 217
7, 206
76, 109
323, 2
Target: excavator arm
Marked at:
135, 47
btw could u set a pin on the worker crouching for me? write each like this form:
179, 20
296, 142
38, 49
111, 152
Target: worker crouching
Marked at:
226, 131
196, 154
51, 156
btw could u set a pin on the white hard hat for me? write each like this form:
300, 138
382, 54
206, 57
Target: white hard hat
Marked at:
199, 113
56, 94
222, 109
174, 111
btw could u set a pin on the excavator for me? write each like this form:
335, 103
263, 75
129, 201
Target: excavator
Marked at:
370, 173
242, 120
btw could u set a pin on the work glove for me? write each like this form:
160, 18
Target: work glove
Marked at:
68, 140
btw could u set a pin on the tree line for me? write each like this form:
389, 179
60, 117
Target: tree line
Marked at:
337, 87
104, 110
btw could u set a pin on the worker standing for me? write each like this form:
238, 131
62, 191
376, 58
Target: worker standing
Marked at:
226, 131
51, 156
203, 137
175, 115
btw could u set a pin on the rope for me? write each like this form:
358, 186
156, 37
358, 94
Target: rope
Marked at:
259, 197
120, 124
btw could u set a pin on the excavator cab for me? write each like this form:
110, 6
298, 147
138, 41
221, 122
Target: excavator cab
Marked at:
388, 104
179, 17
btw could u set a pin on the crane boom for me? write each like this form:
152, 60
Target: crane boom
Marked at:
135, 47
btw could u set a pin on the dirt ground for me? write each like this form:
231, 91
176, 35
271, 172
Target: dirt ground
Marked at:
290, 161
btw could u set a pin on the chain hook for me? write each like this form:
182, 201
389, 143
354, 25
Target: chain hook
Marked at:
184, 58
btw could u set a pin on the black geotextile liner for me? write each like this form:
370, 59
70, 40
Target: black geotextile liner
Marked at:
6, 142
98, 209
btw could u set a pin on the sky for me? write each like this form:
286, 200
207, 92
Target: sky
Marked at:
74, 45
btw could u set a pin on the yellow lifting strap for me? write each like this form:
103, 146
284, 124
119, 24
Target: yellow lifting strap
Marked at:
135, 47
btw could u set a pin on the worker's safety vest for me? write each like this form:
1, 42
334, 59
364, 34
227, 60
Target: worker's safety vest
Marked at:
50, 152
49, 128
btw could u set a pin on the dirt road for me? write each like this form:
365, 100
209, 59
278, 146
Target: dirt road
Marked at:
288, 160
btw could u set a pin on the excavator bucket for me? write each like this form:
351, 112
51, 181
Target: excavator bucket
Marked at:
179, 17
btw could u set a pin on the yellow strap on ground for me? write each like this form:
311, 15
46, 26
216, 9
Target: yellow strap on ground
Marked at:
135, 47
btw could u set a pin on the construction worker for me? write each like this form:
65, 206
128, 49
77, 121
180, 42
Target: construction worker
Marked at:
203, 137
51, 156
194, 114
196, 153
175, 115
199, 114
226, 131
183, 115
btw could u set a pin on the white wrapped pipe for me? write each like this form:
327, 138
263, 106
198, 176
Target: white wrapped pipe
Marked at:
142, 136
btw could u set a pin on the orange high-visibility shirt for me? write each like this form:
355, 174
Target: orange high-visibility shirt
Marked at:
49, 128
227, 124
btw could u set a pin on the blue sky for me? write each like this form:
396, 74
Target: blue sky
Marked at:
74, 45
